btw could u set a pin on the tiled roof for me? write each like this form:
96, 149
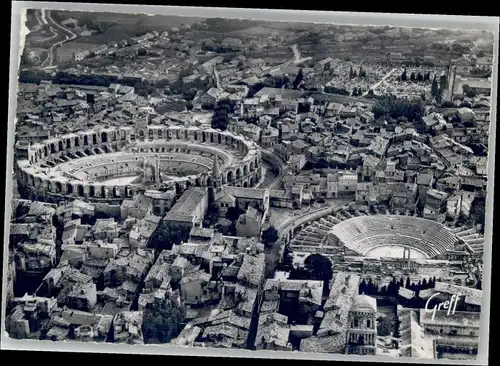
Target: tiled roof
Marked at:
252, 269
186, 205
472, 296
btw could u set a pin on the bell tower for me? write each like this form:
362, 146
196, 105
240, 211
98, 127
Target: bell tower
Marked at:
141, 125
216, 175
151, 174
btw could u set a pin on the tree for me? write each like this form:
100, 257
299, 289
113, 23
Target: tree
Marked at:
220, 118
233, 213
226, 104
407, 285
162, 322
439, 96
213, 213
142, 52
370, 288
298, 274
468, 91
319, 268
392, 287
434, 87
189, 106
383, 290
385, 326
397, 333
391, 107
427, 76
404, 76
420, 77
334, 90
351, 73
412, 76
443, 82
298, 79
269, 236
362, 287
162, 83
165, 237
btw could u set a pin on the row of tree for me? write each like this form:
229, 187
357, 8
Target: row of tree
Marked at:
392, 107
357, 92
334, 90
142, 88
392, 289
418, 77
353, 74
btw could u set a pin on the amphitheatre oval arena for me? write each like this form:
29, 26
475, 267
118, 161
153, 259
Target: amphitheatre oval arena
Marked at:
112, 164
391, 235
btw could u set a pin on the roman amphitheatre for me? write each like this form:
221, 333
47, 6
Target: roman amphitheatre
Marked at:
112, 164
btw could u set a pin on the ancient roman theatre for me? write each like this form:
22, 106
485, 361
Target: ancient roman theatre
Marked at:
112, 164
389, 235
379, 235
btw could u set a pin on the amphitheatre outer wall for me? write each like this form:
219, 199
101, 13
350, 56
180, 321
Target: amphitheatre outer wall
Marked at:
57, 168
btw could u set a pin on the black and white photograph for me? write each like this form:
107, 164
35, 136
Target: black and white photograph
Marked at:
192, 179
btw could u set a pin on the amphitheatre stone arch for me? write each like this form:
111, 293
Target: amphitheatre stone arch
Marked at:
104, 159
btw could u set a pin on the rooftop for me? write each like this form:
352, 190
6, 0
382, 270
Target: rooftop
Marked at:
186, 205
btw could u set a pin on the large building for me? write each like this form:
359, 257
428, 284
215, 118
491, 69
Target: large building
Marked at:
112, 164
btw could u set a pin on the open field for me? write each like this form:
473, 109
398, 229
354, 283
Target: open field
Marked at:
66, 50
152, 21
122, 26
258, 31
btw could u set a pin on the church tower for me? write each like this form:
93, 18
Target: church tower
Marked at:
151, 170
141, 126
216, 175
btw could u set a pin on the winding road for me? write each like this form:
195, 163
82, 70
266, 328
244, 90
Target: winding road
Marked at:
43, 16
41, 22
217, 79
275, 161
296, 53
